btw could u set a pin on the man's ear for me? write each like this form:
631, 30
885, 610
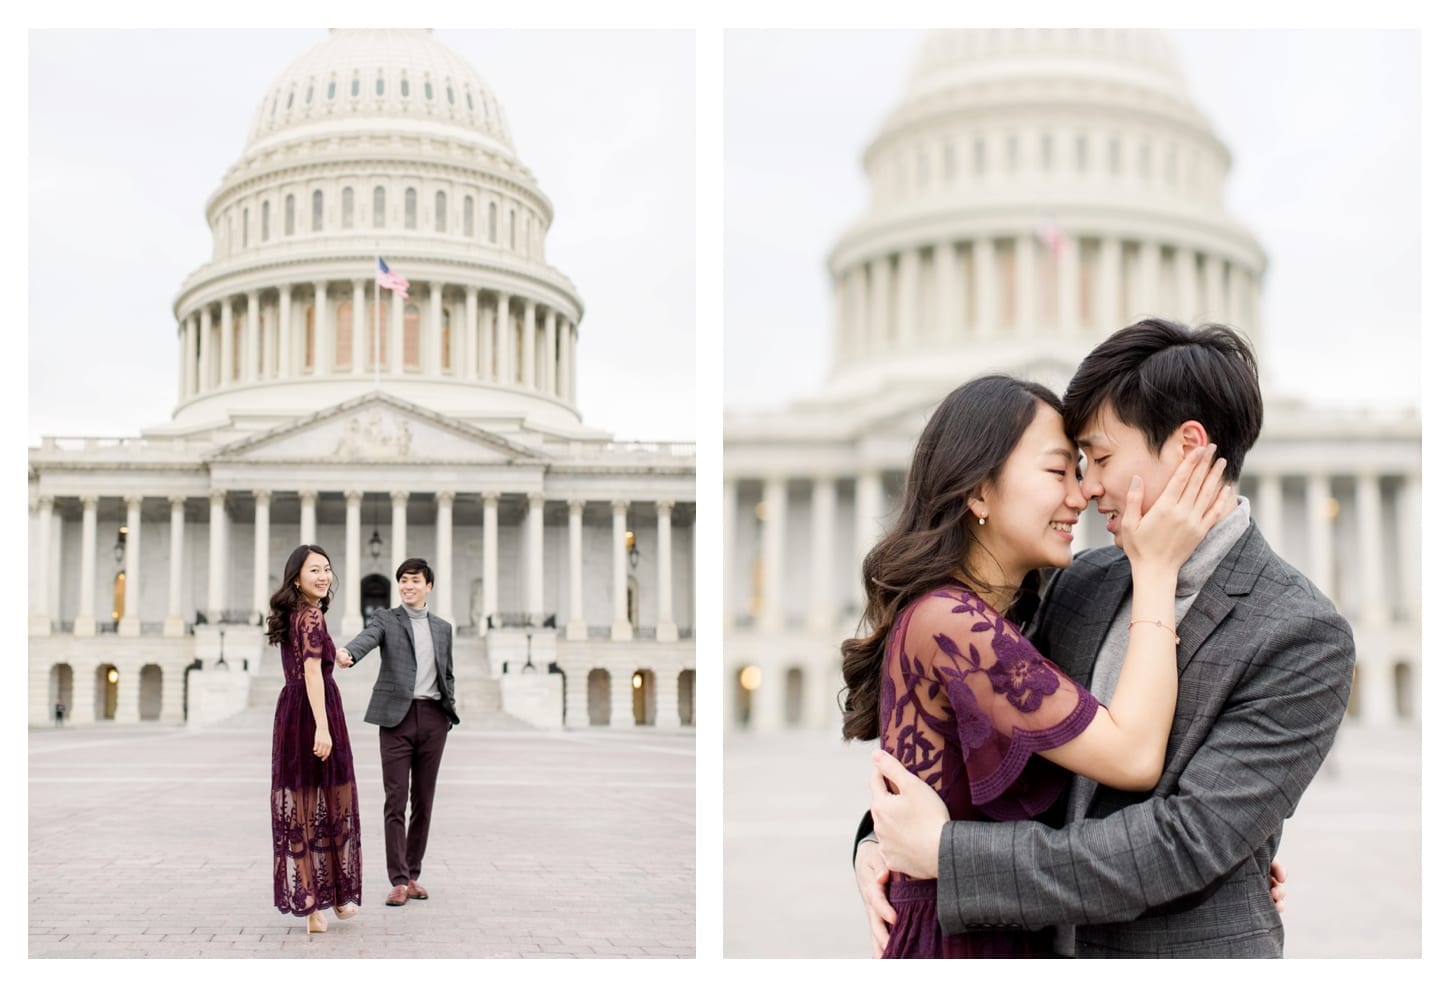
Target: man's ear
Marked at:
1188, 437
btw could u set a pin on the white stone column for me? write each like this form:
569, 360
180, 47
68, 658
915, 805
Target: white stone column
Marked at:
503, 333
471, 348
573, 363
868, 521
181, 333
551, 352
988, 320
1185, 276
1369, 518
576, 696
130, 622
286, 347
193, 368
1149, 266
1321, 541
490, 558
128, 691
772, 544
621, 629
880, 289
352, 621
729, 509
443, 557
1025, 288
226, 341
1409, 537
824, 610
1110, 281
577, 628
360, 341
667, 696
1268, 509
252, 344
665, 628
534, 550
908, 287
216, 557
205, 374
261, 544
1215, 303
621, 696
308, 533
85, 623
1069, 285
324, 338
269, 344
172, 683
767, 705
842, 320
40, 612
530, 345
948, 308
433, 337
400, 537
860, 300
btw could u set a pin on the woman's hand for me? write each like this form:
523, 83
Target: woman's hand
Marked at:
322, 743
1195, 499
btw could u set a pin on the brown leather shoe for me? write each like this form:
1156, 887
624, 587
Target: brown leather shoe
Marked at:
399, 895
416, 890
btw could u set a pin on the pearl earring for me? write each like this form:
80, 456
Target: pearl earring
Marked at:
981, 519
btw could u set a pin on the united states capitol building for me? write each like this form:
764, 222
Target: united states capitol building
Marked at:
1033, 191
313, 409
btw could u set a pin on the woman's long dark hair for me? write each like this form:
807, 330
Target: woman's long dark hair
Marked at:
965, 444
289, 597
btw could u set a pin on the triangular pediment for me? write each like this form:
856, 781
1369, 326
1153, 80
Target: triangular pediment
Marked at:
376, 428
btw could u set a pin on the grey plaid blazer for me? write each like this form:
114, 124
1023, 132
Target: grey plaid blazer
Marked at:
392, 631
1264, 673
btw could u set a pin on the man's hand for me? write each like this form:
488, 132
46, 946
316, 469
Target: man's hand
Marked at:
1277, 889
343, 658
908, 824
871, 877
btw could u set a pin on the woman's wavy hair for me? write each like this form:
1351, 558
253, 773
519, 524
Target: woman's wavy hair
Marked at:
289, 597
965, 444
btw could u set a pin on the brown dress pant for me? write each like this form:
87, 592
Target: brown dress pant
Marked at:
412, 748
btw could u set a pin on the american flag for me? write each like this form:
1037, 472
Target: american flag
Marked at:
394, 282
1049, 233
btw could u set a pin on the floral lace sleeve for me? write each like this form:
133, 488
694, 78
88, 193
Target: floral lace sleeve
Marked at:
309, 636
964, 692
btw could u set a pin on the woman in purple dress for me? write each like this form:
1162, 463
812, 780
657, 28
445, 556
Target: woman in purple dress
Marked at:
317, 861
945, 677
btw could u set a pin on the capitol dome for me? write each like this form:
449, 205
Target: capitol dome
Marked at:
1032, 190
379, 143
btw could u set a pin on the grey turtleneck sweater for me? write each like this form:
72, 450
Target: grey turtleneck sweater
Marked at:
425, 686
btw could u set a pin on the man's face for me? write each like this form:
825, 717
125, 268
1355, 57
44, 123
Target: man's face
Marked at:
1114, 454
413, 588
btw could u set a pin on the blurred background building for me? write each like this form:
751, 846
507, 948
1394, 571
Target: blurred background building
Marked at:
311, 409
1031, 192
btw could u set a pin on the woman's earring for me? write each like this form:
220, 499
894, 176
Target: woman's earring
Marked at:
981, 519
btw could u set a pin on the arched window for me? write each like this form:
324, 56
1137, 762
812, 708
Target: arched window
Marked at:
380, 201
291, 216
308, 98
450, 95
440, 213
379, 86
493, 222
290, 95
468, 95
1082, 152
410, 209
468, 215
428, 89
331, 88
1011, 154
317, 210
445, 342
356, 85
246, 224
309, 340
347, 208
1115, 155
1046, 152
343, 349
266, 220
513, 230
979, 156
403, 87
410, 337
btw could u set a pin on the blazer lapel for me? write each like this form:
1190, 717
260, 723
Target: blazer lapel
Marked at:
1234, 577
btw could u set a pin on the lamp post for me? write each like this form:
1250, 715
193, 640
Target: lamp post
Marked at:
221, 660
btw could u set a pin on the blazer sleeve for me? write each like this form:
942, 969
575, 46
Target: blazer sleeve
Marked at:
369, 638
1234, 793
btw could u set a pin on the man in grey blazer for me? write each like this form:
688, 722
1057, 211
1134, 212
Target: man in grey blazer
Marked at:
1264, 662
413, 707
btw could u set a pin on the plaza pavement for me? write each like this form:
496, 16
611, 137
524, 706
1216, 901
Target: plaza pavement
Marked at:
154, 841
1352, 851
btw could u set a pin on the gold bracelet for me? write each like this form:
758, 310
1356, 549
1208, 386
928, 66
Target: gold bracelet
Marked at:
1144, 620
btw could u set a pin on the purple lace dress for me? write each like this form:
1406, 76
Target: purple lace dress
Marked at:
966, 701
317, 861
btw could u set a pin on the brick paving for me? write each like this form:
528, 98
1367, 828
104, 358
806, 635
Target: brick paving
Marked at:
155, 842
1352, 851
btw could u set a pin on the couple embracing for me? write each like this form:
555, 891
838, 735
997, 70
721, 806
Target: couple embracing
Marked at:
1103, 769
317, 858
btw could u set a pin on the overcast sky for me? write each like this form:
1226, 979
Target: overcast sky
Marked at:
131, 131
1323, 127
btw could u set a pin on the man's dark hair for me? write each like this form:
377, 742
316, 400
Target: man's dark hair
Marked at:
415, 565
1156, 374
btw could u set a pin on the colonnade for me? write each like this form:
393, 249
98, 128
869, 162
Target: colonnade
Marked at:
272, 334
1032, 285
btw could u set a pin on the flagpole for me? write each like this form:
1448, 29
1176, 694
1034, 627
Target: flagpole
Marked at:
377, 332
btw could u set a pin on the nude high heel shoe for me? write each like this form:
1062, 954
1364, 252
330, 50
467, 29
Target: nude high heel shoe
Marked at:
316, 922
345, 911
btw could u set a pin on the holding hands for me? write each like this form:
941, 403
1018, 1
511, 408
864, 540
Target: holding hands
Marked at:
343, 658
